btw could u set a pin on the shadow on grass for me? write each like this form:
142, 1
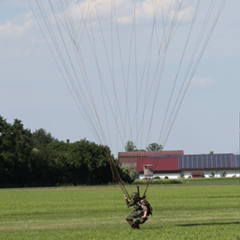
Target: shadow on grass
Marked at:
206, 224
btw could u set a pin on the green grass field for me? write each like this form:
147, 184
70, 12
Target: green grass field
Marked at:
192, 210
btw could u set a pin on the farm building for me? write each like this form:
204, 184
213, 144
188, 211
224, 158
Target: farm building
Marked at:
173, 164
129, 159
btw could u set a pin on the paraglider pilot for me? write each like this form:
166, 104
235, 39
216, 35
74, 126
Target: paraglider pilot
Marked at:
139, 211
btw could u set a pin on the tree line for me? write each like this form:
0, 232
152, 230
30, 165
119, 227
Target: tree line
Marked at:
31, 159
152, 147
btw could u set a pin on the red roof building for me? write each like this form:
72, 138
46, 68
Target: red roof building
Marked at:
172, 164
129, 159
159, 164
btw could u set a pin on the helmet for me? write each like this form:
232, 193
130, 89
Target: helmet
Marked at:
134, 196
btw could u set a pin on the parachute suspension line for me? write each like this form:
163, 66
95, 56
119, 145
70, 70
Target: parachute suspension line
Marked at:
94, 52
41, 29
155, 8
84, 74
57, 48
161, 59
118, 117
160, 63
103, 89
189, 78
177, 74
92, 43
127, 118
147, 66
165, 34
200, 55
146, 71
111, 66
66, 13
80, 30
133, 123
115, 174
122, 68
62, 59
69, 28
135, 67
163, 126
112, 74
113, 70
116, 99
158, 77
73, 68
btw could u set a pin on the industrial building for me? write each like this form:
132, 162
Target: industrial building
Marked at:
174, 164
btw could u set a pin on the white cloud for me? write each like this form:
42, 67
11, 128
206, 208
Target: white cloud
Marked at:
17, 35
202, 82
17, 27
124, 10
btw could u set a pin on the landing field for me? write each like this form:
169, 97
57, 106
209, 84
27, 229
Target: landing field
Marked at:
181, 211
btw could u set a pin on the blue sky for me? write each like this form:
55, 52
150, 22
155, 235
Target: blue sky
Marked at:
34, 91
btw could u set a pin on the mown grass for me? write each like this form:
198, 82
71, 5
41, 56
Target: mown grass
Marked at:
180, 212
